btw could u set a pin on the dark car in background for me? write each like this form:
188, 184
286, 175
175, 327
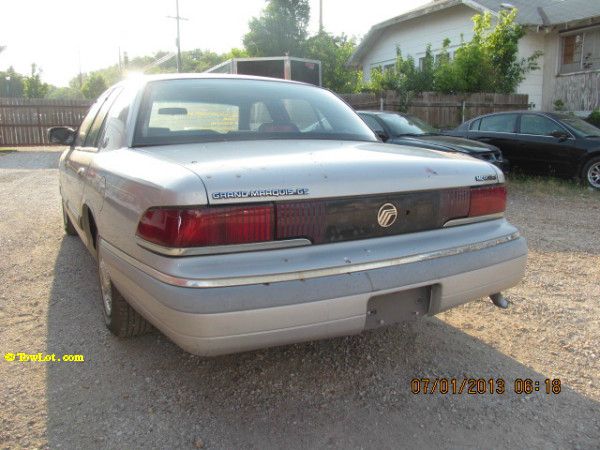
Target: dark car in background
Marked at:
404, 129
541, 143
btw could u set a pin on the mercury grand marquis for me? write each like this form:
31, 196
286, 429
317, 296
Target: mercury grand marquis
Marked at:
236, 213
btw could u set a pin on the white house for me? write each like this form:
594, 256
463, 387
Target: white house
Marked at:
566, 31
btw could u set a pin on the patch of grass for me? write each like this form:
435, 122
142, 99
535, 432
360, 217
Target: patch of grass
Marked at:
535, 185
6, 150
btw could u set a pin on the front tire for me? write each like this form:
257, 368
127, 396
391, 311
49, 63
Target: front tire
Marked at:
119, 317
591, 173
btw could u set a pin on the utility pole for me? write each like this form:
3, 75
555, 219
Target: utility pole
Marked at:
178, 18
320, 16
80, 73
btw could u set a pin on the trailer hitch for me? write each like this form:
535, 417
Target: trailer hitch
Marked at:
499, 300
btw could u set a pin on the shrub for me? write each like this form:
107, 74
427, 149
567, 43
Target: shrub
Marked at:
594, 118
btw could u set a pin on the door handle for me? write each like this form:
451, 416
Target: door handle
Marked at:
81, 172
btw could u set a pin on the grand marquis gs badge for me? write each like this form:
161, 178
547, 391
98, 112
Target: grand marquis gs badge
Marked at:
281, 192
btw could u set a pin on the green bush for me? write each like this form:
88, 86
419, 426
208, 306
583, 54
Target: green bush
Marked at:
594, 118
487, 63
559, 105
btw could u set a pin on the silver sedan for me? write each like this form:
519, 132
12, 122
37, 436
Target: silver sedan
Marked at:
235, 213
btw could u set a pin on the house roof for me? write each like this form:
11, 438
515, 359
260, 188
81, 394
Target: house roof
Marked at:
531, 12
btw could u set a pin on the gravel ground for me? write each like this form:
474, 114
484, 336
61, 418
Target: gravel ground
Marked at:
349, 392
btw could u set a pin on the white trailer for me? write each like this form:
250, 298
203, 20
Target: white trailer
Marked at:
286, 67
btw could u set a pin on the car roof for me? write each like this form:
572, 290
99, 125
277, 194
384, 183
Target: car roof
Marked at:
204, 76
519, 111
377, 112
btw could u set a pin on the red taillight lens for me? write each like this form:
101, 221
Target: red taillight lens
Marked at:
198, 227
487, 200
454, 203
304, 219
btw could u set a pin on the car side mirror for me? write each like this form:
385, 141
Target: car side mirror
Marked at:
560, 135
61, 135
382, 135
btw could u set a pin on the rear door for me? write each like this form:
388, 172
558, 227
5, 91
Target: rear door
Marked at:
499, 130
542, 153
78, 160
69, 166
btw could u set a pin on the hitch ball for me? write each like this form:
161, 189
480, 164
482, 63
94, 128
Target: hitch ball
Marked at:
499, 300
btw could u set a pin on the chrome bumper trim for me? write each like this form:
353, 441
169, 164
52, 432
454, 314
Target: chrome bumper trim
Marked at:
468, 220
221, 249
302, 275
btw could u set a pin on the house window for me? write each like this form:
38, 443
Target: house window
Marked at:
384, 66
580, 51
437, 59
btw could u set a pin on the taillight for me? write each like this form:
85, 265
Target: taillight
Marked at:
487, 200
454, 203
198, 227
313, 220
304, 219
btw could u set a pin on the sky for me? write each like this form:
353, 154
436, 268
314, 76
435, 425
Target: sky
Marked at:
61, 36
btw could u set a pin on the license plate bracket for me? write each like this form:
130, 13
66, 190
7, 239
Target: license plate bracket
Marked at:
395, 307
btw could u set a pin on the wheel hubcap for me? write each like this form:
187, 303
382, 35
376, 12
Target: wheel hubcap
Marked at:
593, 175
106, 288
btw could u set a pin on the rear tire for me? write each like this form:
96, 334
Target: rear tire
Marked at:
119, 317
67, 224
591, 173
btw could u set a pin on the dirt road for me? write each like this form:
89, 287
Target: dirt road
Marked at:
344, 393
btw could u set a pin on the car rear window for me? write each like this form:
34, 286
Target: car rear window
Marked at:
181, 116
499, 123
203, 110
538, 125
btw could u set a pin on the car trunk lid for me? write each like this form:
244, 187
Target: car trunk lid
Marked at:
282, 170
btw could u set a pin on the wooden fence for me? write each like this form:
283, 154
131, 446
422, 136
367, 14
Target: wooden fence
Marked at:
26, 121
440, 110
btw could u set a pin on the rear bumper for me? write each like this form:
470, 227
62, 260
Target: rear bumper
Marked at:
218, 320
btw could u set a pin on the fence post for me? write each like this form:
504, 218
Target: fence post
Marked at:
381, 103
39, 123
463, 104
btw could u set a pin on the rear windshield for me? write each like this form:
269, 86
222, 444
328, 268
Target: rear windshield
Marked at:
406, 124
582, 127
204, 110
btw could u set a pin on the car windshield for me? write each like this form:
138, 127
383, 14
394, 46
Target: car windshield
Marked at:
579, 125
204, 110
405, 124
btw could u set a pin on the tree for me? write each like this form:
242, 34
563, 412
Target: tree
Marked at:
489, 61
423, 78
199, 60
93, 86
33, 87
280, 30
333, 52
11, 83
64, 93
